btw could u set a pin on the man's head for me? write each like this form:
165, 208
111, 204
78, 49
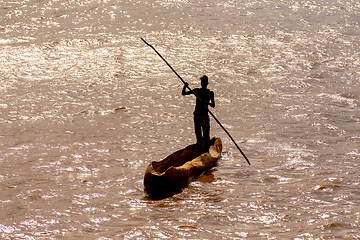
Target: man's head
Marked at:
204, 81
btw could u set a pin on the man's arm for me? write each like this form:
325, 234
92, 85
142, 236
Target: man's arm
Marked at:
184, 92
212, 101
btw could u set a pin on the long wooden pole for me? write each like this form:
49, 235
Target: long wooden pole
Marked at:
199, 99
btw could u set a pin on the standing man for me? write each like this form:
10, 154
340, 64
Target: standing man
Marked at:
201, 116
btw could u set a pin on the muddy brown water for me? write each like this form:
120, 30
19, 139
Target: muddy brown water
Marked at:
85, 106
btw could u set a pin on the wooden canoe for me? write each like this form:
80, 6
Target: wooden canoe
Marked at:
180, 168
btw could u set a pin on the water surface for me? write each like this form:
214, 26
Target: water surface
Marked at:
85, 106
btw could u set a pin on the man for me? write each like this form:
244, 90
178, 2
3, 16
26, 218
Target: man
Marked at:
201, 116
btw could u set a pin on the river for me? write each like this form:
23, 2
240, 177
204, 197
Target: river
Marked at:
85, 106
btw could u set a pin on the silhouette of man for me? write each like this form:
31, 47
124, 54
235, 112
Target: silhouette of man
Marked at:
201, 116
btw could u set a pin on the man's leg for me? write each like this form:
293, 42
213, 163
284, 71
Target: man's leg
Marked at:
197, 124
206, 131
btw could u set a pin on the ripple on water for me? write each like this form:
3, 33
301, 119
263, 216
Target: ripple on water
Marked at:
85, 106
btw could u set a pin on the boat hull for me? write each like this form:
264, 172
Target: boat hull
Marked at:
180, 168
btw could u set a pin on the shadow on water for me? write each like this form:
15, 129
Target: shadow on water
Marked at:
161, 195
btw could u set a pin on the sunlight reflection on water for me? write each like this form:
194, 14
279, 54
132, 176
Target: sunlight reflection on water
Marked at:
85, 106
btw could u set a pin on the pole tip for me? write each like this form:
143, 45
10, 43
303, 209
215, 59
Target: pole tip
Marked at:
144, 41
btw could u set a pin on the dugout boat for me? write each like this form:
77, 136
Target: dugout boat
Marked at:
177, 170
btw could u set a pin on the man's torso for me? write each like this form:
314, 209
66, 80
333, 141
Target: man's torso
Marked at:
205, 95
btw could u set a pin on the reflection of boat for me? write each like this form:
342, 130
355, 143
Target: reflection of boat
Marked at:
178, 169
